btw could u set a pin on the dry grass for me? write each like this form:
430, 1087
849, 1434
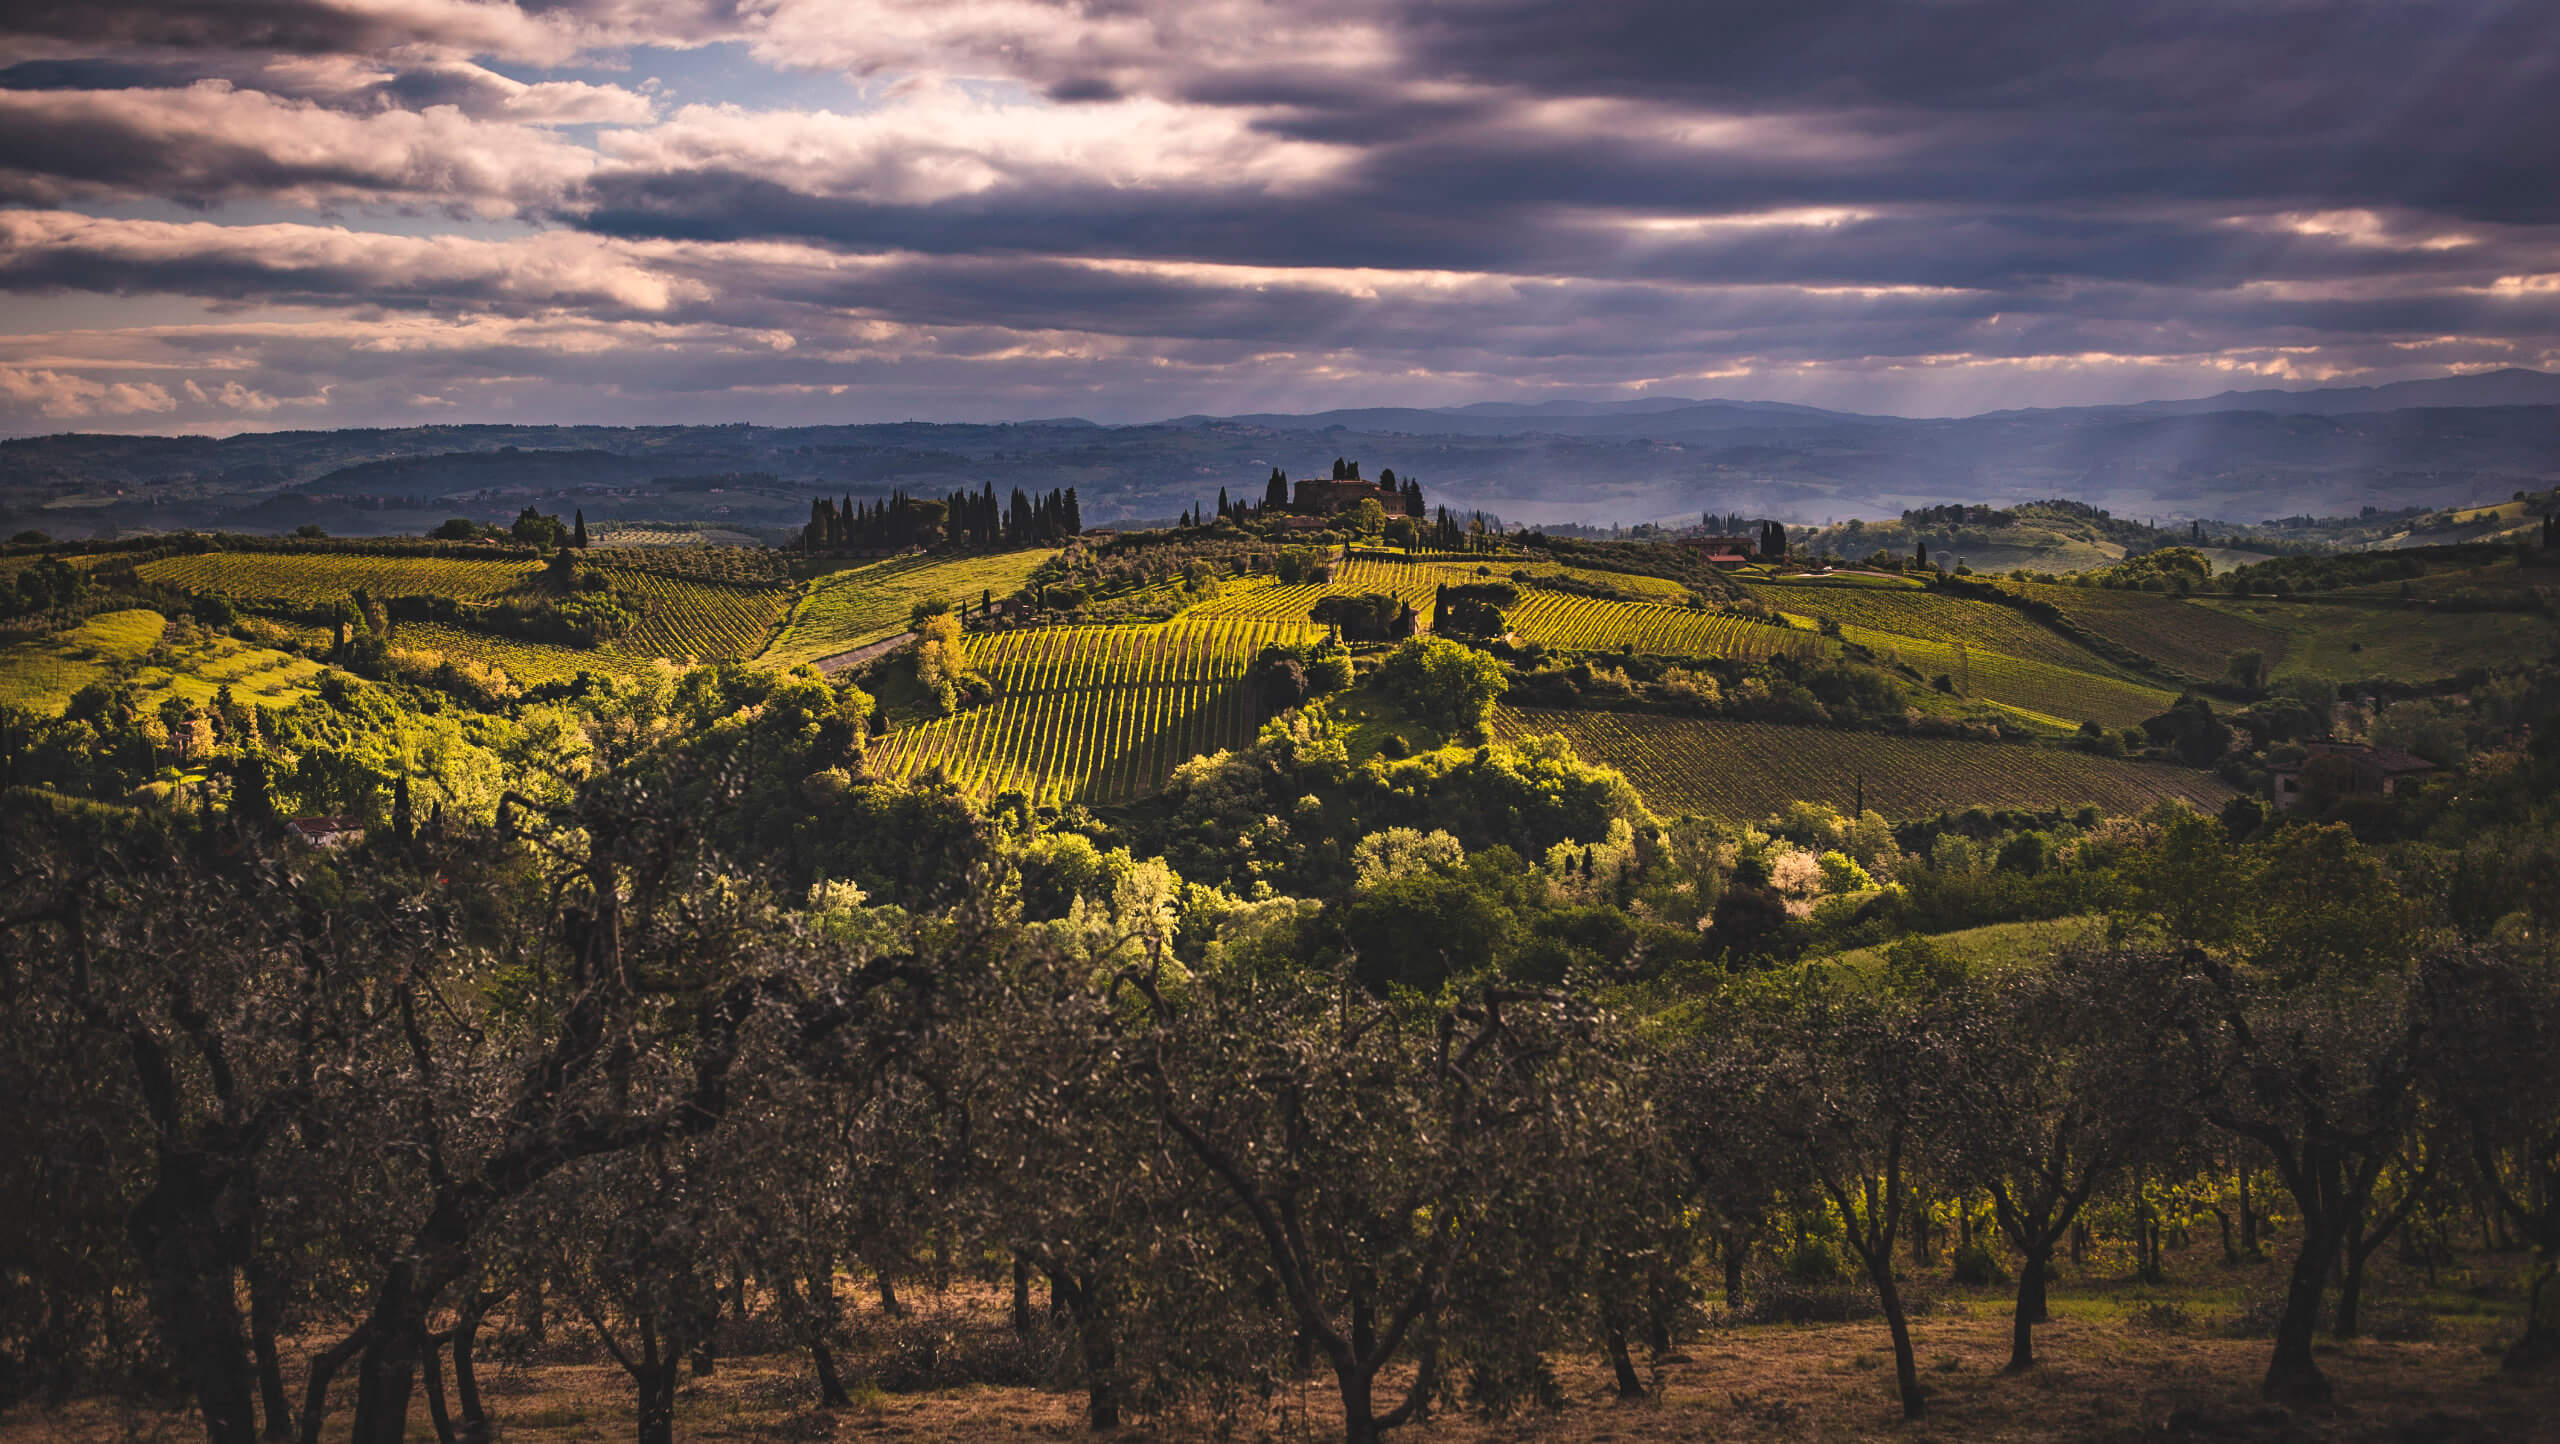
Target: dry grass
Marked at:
2115, 1367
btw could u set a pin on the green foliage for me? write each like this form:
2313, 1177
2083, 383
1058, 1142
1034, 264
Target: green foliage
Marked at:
1366, 617
1448, 684
2177, 569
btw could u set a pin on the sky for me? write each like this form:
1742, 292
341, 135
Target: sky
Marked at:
228, 215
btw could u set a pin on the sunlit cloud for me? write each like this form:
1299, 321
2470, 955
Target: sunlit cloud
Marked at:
340, 211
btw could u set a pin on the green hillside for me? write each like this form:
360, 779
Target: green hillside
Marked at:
125, 646
2348, 641
2183, 637
853, 608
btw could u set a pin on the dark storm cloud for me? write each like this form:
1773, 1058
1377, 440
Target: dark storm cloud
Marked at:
2453, 103
1467, 197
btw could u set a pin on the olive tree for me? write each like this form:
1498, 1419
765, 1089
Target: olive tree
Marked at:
1384, 1157
2060, 1081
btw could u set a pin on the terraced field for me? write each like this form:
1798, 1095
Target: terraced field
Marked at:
325, 577
2192, 639
856, 607
1092, 713
42, 675
1744, 771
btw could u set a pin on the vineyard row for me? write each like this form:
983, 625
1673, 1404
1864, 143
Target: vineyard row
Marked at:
1092, 713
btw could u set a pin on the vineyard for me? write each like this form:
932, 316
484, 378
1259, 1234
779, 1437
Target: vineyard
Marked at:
301, 579
1556, 619
1457, 569
1743, 771
642, 534
680, 620
2041, 691
1092, 713
687, 610
853, 608
1933, 617
706, 621
1417, 581
2195, 640
1262, 599
742, 566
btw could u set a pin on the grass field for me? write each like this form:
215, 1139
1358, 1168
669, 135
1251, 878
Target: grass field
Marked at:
1999, 945
1092, 713
2346, 641
2071, 555
42, 675
2224, 559
2503, 577
2185, 637
529, 663
1743, 771
2119, 1358
856, 607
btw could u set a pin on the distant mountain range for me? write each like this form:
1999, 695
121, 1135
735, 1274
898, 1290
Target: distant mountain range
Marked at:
1681, 416
2239, 456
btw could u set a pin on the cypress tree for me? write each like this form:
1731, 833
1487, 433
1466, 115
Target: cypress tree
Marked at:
578, 538
249, 799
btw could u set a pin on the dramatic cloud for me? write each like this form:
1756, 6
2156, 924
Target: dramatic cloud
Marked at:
212, 142
307, 212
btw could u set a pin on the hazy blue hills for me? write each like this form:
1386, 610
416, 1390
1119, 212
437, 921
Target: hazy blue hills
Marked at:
2241, 456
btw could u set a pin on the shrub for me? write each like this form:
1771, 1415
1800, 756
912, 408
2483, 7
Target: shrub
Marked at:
1814, 1261
2152, 1316
1978, 1267
1443, 682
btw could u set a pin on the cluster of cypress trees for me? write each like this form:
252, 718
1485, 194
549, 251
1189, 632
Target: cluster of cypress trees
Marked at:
1025, 519
970, 518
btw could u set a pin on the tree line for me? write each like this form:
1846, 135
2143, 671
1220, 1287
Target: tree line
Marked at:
964, 518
